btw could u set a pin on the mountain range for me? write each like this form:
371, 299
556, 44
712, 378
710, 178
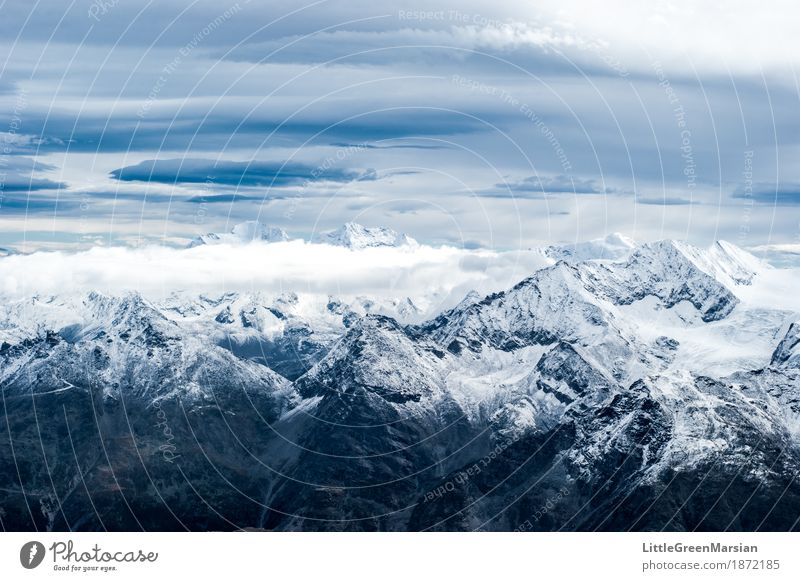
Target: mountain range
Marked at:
622, 386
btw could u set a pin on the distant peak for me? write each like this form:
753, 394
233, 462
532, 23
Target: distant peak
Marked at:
726, 262
615, 246
618, 239
254, 230
243, 233
355, 236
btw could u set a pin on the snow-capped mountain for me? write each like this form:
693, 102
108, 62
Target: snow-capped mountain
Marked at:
356, 236
667, 271
615, 246
251, 231
350, 235
660, 388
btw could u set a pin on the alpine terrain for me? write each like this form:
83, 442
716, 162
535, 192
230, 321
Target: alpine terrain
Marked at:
621, 386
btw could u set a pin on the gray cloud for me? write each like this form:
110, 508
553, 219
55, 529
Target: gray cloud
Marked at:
33, 205
389, 145
17, 174
538, 186
664, 201
235, 173
773, 194
220, 198
22, 184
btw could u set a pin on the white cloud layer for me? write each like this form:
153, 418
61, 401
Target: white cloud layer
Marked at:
429, 275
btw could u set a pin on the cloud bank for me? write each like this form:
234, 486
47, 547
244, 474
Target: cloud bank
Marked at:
442, 275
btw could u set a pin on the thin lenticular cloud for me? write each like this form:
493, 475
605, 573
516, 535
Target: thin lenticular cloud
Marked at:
538, 186
235, 173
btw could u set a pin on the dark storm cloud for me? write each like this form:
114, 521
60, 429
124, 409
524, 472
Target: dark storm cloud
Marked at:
236, 173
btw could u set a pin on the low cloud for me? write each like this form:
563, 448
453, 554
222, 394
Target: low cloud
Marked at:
442, 275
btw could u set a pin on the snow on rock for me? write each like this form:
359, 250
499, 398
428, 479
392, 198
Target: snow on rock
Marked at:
549, 306
128, 346
726, 262
665, 270
378, 357
615, 246
244, 233
357, 237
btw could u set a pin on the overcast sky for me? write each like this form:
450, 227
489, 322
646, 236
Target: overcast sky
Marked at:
496, 124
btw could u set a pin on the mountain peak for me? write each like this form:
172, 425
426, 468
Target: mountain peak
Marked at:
723, 261
355, 236
670, 270
243, 233
378, 356
615, 246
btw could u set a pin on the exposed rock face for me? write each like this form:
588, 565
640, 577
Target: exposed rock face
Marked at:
787, 354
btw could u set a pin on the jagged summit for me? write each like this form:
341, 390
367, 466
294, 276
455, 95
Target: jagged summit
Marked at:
246, 232
357, 237
667, 270
726, 262
376, 356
